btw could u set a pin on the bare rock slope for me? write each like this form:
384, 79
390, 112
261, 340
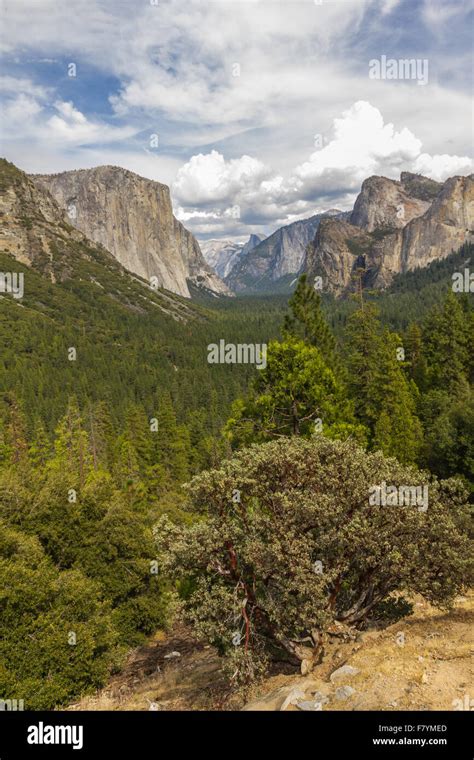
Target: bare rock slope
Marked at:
132, 217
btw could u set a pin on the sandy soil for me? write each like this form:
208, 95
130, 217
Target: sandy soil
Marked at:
423, 662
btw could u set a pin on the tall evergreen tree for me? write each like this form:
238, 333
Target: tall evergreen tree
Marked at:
15, 439
72, 446
171, 443
296, 394
306, 321
384, 399
446, 343
416, 362
40, 447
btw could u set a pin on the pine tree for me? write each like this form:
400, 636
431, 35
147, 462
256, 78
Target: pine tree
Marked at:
128, 472
446, 344
364, 347
384, 399
40, 447
171, 445
398, 431
101, 434
72, 446
306, 321
15, 432
416, 362
296, 394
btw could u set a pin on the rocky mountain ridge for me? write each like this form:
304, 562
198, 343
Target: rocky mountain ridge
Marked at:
395, 226
132, 217
37, 233
279, 255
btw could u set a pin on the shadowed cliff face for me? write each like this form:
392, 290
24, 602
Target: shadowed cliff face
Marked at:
132, 217
278, 255
394, 227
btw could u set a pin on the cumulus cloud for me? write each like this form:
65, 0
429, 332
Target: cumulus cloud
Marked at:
362, 145
211, 179
441, 167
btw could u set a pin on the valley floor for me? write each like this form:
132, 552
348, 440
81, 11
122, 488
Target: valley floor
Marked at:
423, 662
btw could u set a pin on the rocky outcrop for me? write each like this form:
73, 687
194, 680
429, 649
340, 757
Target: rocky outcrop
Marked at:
221, 255
132, 217
385, 204
394, 227
33, 228
338, 251
252, 243
279, 255
37, 233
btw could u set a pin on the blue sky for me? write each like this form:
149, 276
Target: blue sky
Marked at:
264, 110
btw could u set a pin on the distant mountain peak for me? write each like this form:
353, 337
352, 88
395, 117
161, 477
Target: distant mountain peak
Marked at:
223, 255
277, 257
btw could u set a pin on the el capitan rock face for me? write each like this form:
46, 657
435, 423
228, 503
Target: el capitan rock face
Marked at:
36, 232
132, 217
394, 227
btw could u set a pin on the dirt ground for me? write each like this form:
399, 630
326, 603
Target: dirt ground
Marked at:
423, 662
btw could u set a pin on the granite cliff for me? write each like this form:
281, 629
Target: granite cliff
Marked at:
395, 226
279, 255
132, 217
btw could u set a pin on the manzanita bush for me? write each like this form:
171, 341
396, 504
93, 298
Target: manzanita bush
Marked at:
290, 545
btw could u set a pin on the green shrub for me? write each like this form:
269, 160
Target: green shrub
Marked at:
289, 545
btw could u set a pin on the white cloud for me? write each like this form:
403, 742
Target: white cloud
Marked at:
26, 116
19, 110
210, 178
15, 85
70, 125
362, 145
439, 14
442, 167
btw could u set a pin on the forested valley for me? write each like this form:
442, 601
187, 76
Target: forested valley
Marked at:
100, 542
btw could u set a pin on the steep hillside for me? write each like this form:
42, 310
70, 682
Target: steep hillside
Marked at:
430, 670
